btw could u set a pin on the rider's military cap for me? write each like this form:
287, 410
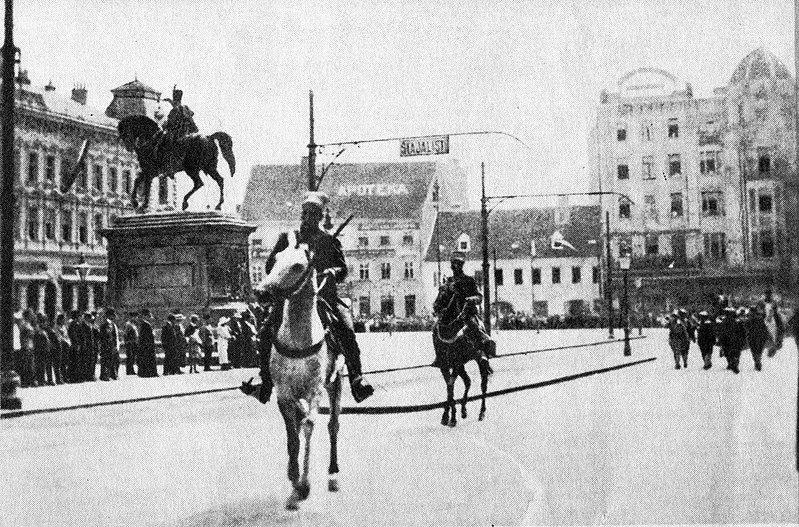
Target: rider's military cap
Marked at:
458, 256
317, 198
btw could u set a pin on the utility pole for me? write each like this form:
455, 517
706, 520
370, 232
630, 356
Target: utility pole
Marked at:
311, 148
484, 216
608, 275
796, 168
9, 378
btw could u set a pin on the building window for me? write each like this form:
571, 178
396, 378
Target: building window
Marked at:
556, 275
407, 239
765, 204
33, 223
624, 209
646, 132
410, 305
49, 169
387, 306
385, 240
517, 277
766, 244
163, 191
712, 203
126, 183
676, 204
49, 224
81, 180
66, 226
364, 306
715, 246
623, 171
499, 277
675, 165
577, 274
595, 274
363, 271
435, 196
536, 275
97, 177
33, 168
621, 133
408, 270
98, 226
650, 208
385, 270
113, 184
83, 228
709, 162
674, 129
464, 242
646, 167
651, 244
363, 241
763, 160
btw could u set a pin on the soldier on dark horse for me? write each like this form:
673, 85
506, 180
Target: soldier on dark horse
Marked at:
459, 336
178, 147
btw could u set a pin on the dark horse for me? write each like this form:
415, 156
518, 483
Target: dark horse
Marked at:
454, 349
192, 154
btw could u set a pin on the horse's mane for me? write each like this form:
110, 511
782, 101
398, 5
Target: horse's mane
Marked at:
137, 126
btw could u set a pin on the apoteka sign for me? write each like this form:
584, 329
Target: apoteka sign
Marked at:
424, 146
374, 189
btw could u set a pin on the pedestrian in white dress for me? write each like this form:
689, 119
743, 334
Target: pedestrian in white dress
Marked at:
223, 336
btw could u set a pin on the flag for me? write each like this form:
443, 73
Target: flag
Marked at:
72, 175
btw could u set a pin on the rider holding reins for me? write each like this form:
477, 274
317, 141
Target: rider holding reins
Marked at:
328, 260
466, 297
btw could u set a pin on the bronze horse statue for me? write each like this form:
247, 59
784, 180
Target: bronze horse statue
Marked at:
159, 157
454, 349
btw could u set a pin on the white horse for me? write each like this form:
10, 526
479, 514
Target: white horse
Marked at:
302, 365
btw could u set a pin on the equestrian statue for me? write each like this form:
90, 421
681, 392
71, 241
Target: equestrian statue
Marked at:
459, 337
178, 147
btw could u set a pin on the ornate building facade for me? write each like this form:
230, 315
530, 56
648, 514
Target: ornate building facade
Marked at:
712, 181
57, 228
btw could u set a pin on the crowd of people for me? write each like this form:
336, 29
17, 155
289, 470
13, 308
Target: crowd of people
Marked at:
759, 327
70, 349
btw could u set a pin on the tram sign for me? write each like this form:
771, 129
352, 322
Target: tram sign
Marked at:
424, 146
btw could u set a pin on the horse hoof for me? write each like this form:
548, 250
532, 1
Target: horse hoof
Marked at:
332, 485
293, 502
445, 420
185, 205
452, 423
482, 416
463, 413
303, 490
218, 207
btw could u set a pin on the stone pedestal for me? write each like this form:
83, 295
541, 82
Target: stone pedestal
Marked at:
192, 261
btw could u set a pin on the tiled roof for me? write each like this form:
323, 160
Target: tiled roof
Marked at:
760, 63
53, 102
138, 89
514, 226
369, 190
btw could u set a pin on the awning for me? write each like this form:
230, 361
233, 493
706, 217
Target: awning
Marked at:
35, 277
91, 279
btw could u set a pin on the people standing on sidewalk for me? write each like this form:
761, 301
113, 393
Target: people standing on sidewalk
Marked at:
27, 371
222, 341
774, 324
729, 339
181, 346
87, 346
678, 340
131, 335
146, 351
168, 345
41, 350
706, 338
249, 357
757, 335
206, 332
62, 334
195, 343
234, 346
109, 347
53, 365
17, 359
74, 364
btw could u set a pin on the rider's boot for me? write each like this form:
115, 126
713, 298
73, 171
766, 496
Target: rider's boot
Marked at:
360, 387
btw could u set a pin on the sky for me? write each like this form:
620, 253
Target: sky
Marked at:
397, 69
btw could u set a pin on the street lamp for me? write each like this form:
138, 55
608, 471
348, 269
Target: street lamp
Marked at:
83, 269
624, 264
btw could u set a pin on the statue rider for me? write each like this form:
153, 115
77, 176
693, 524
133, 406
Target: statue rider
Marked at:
467, 298
328, 260
179, 123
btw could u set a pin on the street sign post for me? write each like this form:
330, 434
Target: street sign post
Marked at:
424, 146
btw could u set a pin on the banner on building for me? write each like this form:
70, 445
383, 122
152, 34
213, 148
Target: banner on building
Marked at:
424, 146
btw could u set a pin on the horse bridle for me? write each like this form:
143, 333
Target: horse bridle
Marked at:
299, 284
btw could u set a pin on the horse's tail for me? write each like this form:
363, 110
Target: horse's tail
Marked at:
226, 146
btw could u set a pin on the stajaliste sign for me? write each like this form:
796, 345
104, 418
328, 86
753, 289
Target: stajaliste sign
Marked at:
424, 146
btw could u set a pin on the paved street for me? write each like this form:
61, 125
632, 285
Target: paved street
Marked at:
640, 445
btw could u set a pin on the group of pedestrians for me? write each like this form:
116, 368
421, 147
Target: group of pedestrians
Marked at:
759, 327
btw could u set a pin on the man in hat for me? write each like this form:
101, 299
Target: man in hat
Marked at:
109, 347
330, 268
180, 121
131, 333
467, 298
146, 351
706, 338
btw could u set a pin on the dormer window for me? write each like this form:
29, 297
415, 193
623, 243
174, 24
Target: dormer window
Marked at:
464, 243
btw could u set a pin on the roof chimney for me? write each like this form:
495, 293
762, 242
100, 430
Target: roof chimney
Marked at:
49, 86
22, 78
79, 93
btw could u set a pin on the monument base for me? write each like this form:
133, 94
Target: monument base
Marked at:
193, 262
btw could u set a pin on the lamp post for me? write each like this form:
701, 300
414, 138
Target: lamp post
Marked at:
83, 269
624, 264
